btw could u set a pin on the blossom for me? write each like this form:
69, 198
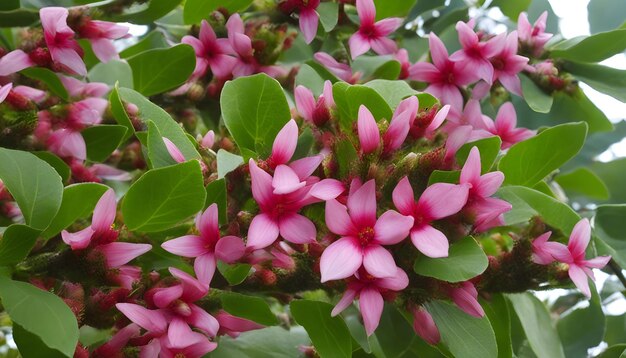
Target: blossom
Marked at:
533, 36
119, 340
208, 140
444, 76
362, 235
436, 202
402, 56
507, 64
211, 52
369, 291
79, 89
426, 123
233, 326
505, 126
543, 249
100, 34
372, 34
173, 150
475, 54
401, 121
316, 112
465, 297
308, 16
574, 255
208, 247
369, 135
4, 91
14, 61
59, 37
341, 70
424, 325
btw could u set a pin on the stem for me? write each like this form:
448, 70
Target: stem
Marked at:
618, 272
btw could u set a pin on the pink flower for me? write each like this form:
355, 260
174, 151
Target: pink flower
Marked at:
574, 255
444, 76
125, 276
341, 70
505, 126
466, 297
173, 150
426, 124
114, 346
100, 34
316, 112
543, 250
233, 326
14, 61
368, 289
507, 64
211, 52
436, 202
79, 89
369, 135
475, 55
60, 40
208, 140
472, 115
208, 247
424, 325
33, 94
400, 124
181, 341
487, 210
533, 36
372, 34
362, 236
402, 56
308, 16
4, 91
108, 172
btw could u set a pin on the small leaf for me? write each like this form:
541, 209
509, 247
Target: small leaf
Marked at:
270, 342
227, 162
527, 162
17, 241
594, 48
57, 163
536, 98
489, 149
393, 8
49, 78
216, 193
248, 307
465, 260
234, 274
159, 70
112, 72
583, 181
329, 15
164, 197
102, 140
41, 314
309, 78
330, 335
30, 345
158, 154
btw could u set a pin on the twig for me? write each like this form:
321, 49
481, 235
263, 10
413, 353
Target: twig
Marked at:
618, 272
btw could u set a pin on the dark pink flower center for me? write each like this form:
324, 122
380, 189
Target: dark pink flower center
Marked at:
498, 63
369, 31
366, 235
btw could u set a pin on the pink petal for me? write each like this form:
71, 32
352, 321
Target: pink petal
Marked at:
151, 320
308, 24
261, 185
207, 223
579, 278
118, 341
397, 131
488, 184
369, 135
371, 305
441, 115
13, 62
201, 319
467, 37
471, 169
305, 103
285, 143
204, 268
208, 140
297, 229
541, 254
304, 167
403, 197
341, 259
285, 181
387, 26
345, 302
108, 172
383, 46
164, 296
68, 143
78, 240
178, 333
392, 227
367, 11
337, 219
4, 91
379, 262
438, 52
207, 35
398, 282
466, 298
327, 189
193, 289
430, 241
70, 59
175, 153
262, 233
150, 350
425, 326
236, 324
186, 246
104, 212
222, 65
362, 205
359, 45
104, 49
579, 239
424, 71
328, 94
120, 253
456, 139
442, 199
598, 262
229, 249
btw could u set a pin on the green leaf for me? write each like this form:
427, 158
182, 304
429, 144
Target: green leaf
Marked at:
227, 162
158, 154
330, 335
309, 78
527, 162
612, 174
465, 260
18, 18
31, 346
102, 140
41, 314
497, 311
255, 110
249, 307
329, 15
78, 202
349, 98
616, 351
164, 197
583, 181
216, 193
93, 337
34, 184
234, 274
444, 176
489, 149
57, 163
390, 70
608, 224
112, 72
608, 80
578, 338
615, 330
9, 5
49, 79
17, 241
196, 10
536, 98
465, 336
159, 70
346, 155
537, 325
604, 15
393, 8
392, 91
512, 9
150, 41
528, 202
156, 9
594, 48
270, 342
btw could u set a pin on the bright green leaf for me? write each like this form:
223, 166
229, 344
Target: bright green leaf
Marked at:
155, 10
227, 162
329, 15
150, 41
536, 98
392, 91
594, 48
158, 154
489, 149
330, 335
17, 241
159, 70
234, 274
57, 163
465, 260
249, 307
511, 9
270, 342
393, 8
196, 10
102, 140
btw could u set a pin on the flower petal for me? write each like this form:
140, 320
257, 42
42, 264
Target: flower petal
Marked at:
186, 246
403, 197
345, 302
362, 205
340, 259
308, 24
327, 189
229, 249
204, 268
262, 233
579, 239
164, 296
120, 253
297, 229
371, 305
471, 169
398, 282
392, 227
579, 278
379, 262
78, 240
442, 199
305, 103
285, 180
261, 185
369, 135
199, 318
425, 326
175, 153
104, 212
304, 167
430, 241
338, 220
285, 143
366, 11
151, 320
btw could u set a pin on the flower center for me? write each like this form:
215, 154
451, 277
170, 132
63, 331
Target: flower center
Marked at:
366, 235
498, 63
181, 308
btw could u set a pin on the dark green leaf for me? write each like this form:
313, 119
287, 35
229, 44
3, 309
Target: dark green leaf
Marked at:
17, 241
390, 70
158, 154
155, 10
31, 346
159, 70
102, 140
465, 260
609, 222
497, 310
216, 193
616, 351
227, 162
489, 149
9, 5
583, 181
249, 307
57, 163
34, 184
511, 9
150, 41
196, 10
608, 80
41, 314
255, 110
536, 98
346, 155
612, 174
594, 48
112, 72
615, 330
49, 79
18, 18
527, 162
393, 8
163, 197
271, 342
330, 335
